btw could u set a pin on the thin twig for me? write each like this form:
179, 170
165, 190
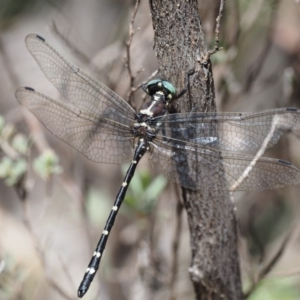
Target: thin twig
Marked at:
146, 80
128, 57
256, 67
217, 47
81, 55
259, 153
286, 274
134, 89
217, 30
254, 235
269, 266
108, 55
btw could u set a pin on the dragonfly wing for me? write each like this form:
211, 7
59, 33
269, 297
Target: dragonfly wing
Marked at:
237, 132
95, 136
82, 90
188, 168
208, 169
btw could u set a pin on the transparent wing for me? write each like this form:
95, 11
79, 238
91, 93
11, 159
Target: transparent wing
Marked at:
199, 168
228, 131
83, 91
94, 135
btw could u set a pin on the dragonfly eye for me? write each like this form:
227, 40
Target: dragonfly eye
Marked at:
153, 86
170, 88
156, 85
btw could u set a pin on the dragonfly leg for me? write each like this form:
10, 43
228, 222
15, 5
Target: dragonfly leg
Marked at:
187, 83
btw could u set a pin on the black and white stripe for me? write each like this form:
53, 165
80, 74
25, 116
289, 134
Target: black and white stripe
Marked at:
95, 261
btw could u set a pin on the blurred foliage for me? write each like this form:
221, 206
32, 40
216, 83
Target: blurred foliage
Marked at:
9, 10
241, 48
268, 225
277, 289
14, 161
143, 190
12, 278
47, 164
97, 207
12, 171
140, 198
14, 147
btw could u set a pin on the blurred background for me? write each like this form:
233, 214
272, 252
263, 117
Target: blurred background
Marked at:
54, 202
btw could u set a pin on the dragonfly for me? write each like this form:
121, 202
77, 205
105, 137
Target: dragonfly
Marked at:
198, 150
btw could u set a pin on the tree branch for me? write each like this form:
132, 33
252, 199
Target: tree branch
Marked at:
180, 46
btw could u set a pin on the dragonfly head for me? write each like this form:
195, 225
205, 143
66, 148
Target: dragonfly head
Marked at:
158, 86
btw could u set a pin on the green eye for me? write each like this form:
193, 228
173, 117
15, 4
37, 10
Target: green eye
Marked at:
170, 87
154, 81
155, 85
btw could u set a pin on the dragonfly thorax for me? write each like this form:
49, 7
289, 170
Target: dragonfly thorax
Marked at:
156, 107
143, 130
161, 92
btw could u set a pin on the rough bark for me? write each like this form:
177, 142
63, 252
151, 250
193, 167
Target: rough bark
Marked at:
180, 46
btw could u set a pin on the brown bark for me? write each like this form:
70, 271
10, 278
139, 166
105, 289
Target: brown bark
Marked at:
180, 46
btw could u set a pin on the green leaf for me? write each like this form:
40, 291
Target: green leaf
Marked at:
8, 131
143, 190
47, 165
277, 289
156, 187
20, 143
5, 167
2, 122
18, 170
96, 206
12, 171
